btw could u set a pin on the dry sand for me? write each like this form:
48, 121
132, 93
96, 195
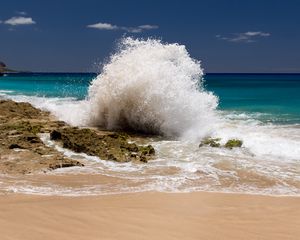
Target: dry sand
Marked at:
150, 216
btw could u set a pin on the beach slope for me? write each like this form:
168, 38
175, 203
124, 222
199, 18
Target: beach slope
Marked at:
150, 216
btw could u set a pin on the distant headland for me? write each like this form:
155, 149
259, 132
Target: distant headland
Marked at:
4, 69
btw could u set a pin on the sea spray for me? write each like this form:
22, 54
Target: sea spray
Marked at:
152, 87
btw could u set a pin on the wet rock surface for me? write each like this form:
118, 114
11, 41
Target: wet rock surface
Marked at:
23, 152
21, 149
111, 146
212, 142
215, 142
233, 143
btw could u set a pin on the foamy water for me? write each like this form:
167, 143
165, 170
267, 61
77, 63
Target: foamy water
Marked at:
180, 166
154, 87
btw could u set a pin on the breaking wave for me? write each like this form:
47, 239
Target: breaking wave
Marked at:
152, 87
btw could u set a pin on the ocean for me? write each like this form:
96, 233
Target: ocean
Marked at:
165, 93
272, 98
269, 98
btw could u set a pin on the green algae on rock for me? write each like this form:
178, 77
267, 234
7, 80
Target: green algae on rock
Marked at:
113, 146
232, 143
17, 127
19, 110
212, 142
215, 142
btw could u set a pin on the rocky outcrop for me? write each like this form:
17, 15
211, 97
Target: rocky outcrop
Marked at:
2, 68
22, 151
212, 142
215, 142
112, 146
233, 143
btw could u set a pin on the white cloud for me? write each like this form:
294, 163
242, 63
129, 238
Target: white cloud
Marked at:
148, 27
14, 21
108, 26
246, 37
103, 26
261, 34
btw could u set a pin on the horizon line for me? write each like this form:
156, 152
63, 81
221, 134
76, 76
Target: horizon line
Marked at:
87, 72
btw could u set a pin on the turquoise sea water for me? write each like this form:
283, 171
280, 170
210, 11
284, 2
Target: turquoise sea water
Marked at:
275, 97
47, 84
262, 110
268, 97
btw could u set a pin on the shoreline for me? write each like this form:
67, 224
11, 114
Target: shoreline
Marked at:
150, 215
95, 195
140, 215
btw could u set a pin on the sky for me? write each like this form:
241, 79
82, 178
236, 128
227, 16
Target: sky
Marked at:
77, 36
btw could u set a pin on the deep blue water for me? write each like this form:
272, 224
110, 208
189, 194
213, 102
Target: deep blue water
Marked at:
275, 96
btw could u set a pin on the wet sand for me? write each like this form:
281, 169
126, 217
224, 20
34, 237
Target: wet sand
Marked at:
150, 216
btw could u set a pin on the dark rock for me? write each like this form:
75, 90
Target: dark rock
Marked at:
55, 135
14, 145
147, 150
32, 139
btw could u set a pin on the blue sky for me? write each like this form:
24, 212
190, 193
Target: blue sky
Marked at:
226, 35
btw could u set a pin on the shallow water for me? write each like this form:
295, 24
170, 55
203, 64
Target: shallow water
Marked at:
180, 166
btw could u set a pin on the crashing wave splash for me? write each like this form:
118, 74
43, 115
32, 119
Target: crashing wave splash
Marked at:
151, 87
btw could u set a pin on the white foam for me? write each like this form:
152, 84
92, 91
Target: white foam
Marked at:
150, 86
264, 140
180, 167
67, 109
6, 91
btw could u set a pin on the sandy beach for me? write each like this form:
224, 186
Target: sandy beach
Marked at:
150, 216
150, 120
